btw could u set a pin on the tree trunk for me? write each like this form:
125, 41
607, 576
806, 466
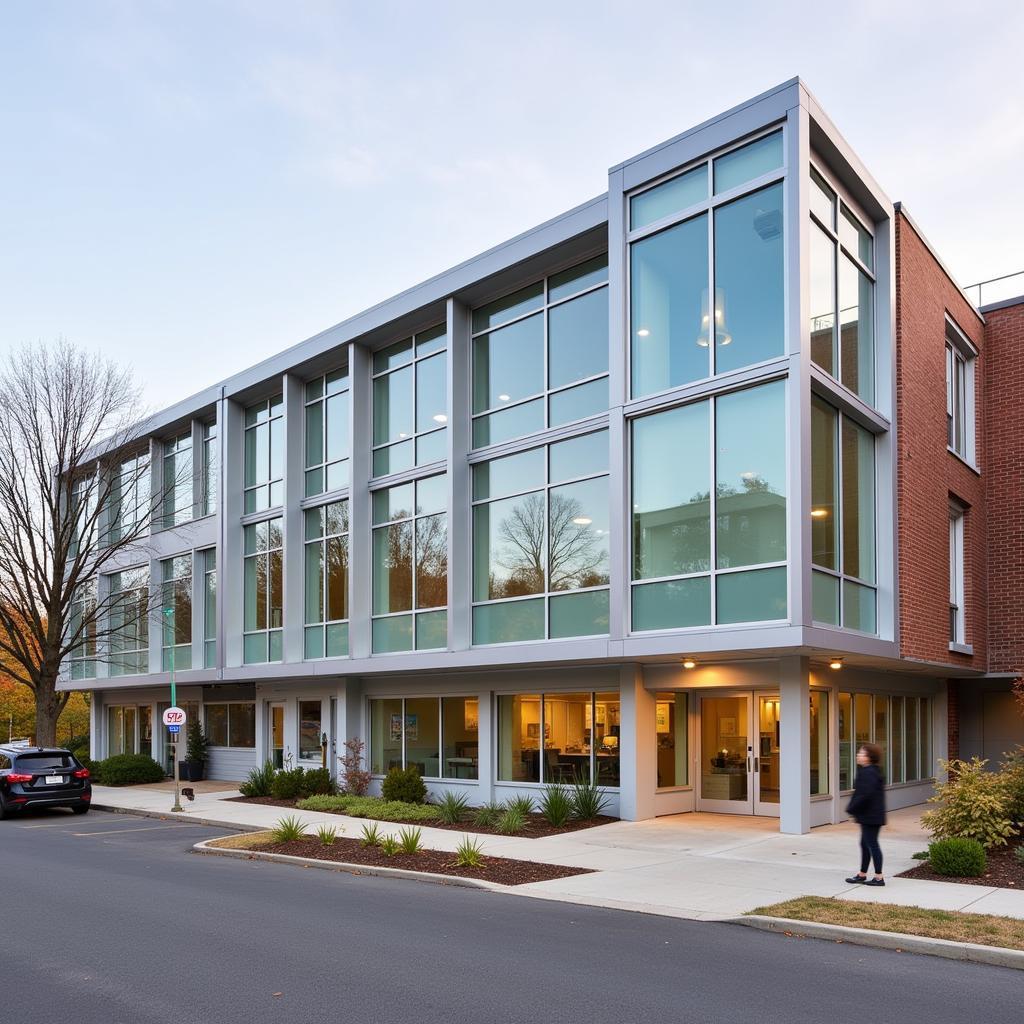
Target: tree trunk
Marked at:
49, 705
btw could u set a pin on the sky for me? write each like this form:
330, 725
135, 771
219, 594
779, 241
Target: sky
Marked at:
189, 187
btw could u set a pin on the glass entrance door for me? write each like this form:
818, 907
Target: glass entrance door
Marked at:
766, 755
276, 734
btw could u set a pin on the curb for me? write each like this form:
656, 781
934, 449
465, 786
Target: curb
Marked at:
352, 869
234, 826
972, 952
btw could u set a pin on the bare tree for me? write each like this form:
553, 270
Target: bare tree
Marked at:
75, 498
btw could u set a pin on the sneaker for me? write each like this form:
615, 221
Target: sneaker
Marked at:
857, 879
874, 881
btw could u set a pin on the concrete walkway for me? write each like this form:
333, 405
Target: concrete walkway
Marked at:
698, 866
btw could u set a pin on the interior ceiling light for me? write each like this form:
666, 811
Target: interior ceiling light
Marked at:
689, 663
583, 520
643, 333
836, 664
440, 418
504, 398
819, 513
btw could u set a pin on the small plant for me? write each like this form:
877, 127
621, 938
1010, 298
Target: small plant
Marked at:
556, 805
288, 784
404, 784
355, 779
588, 802
511, 822
452, 808
327, 834
1011, 772
288, 830
260, 781
973, 804
957, 858
371, 835
318, 782
411, 840
523, 804
920, 855
487, 815
1018, 855
469, 853
389, 846
128, 770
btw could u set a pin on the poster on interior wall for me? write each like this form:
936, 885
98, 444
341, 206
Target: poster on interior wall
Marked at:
412, 729
396, 728
472, 715
661, 717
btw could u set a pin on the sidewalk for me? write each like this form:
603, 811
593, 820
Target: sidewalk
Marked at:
697, 866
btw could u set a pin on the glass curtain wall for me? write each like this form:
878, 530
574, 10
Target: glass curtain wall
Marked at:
326, 543
899, 724
83, 626
209, 566
410, 402
177, 480
130, 498
327, 433
129, 621
176, 613
263, 610
540, 543
264, 455
540, 355
439, 736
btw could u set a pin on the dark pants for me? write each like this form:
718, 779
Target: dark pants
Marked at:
869, 848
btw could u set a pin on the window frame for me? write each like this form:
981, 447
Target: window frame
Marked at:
960, 352
268, 630
321, 541
176, 450
325, 463
228, 704
923, 734
140, 652
957, 573
168, 585
210, 467
273, 408
209, 571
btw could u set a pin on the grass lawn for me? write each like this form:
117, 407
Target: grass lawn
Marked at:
984, 929
243, 841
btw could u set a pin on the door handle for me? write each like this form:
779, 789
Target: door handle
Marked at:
756, 769
748, 762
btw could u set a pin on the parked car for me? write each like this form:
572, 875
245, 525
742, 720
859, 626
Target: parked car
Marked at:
42, 777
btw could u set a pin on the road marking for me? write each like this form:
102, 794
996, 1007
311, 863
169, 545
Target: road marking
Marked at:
120, 831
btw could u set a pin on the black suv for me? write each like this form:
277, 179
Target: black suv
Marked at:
42, 777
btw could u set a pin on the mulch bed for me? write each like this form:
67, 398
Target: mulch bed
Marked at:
1003, 870
536, 827
493, 869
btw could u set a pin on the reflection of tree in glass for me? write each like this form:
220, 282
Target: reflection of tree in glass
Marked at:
577, 557
431, 564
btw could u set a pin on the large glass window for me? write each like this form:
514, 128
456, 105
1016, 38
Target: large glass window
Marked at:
540, 542
326, 602
264, 455
129, 622
176, 613
842, 520
679, 562
842, 286
671, 728
410, 566
263, 609
959, 393
177, 480
819, 778
957, 616
83, 512
327, 430
310, 730
130, 498
209, 564
900, 725
82, 629
559, 738
438, 736
231, 724
410, 403
122, 725
540, 356
208, 503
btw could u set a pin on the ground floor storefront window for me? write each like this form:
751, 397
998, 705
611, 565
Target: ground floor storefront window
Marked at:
129, 729
231, 724
671, 731
439, 736
899, 724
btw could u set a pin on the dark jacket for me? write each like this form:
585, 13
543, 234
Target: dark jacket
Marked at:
867, 805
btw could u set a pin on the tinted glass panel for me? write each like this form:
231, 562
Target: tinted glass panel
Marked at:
752, 596
509, 621
825, 598
669, 197
578, 339
858, 502
507, 476
431, 393
523, 419
579, 614
824, 485
578, 403
509, 307
578, 532
672, 605
823, 300
575, 279
509, 547
857, 345
579, 456
856, 238
748, 162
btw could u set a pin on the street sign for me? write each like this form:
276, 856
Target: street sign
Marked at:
174, 717
174, 729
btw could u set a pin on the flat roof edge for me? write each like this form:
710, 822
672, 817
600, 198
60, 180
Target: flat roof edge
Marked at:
990, 307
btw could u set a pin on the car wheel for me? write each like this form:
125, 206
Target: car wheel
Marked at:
5, 811
80, 809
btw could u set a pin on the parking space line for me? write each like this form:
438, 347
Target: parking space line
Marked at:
121, 831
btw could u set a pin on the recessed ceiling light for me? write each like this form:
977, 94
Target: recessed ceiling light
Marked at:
819, 513
403, 435
689, 663
504, 398
836, 664
643, 333
440, 418
583, 520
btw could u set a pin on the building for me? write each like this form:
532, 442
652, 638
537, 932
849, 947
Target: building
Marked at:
656, 493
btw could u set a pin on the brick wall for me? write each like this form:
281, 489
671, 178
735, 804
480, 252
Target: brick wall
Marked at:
1004, 485
928, 474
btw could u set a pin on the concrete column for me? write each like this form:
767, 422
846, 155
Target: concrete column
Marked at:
487, 730
940, 729
638, 764
97, 739
262, 748
348, 715
460, 521
360, 554
795, 743
294, 561
229, 554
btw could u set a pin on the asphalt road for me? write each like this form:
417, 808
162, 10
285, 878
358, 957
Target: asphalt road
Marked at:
107, 918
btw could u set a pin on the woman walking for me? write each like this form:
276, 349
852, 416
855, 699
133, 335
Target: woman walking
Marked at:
867, 806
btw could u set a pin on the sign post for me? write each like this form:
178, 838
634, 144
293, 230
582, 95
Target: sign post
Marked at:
174, 719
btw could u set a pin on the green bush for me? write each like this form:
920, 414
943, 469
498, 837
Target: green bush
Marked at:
327, 834
469, 853
288, 830
1012, 774
973, 804
79, 746
318, 782
511, 822
196, 741
370, 836
410, 839
389, 846
588, 802
556, 805
260, 781
128, 770
488, 815
404, 784
958, 858
289, 784
523, 804
1018, 855
452, 808
369, 807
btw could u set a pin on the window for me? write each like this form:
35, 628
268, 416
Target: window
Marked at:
841, 265
677, 333
209, 564
264, 596
579, 738
960, 357
900, 725
819, 775
439, 736
685, 573
82, 630
129, 622
327, 433
671, 729
410, 403
843, 582
231, 724
310, 725
540, 355
83, 511
264, 455
121, 730
129, 498
208, 503
957, 618
176, 609
177, 480
326, 543
540, 543
410, 566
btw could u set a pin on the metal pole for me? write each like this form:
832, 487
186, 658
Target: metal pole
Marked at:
169, 612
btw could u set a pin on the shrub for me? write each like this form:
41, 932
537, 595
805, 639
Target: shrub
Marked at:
556, 805
452, 808
920, 855
289, 784
511, 822
260, 781
1018, 855
327, 834
588, 802
370, 836
369, 807
355, 779
128, 770
389, 846
79, 746
404, 784
92, 766
1012, 774
411, 840
318, 782
289, 829
488, 815
973, 804
524, 804
196, 741
469, 853
959, 858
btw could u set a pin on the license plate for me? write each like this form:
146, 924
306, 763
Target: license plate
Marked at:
55, 780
